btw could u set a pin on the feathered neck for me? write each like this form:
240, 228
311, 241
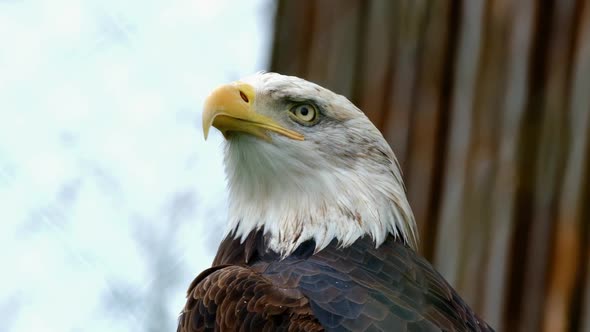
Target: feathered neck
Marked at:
254, 249
296, 202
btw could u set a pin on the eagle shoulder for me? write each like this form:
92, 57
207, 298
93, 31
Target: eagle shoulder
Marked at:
237, 298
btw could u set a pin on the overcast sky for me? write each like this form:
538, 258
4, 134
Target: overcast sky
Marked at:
111, 202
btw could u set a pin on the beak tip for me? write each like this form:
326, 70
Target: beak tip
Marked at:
206, 130
205, 133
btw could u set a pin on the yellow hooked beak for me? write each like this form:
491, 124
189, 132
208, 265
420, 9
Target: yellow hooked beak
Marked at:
229, 108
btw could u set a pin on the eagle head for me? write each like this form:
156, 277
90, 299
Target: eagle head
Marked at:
304, 163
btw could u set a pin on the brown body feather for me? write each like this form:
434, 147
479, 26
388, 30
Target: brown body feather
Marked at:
358, 288
235, 298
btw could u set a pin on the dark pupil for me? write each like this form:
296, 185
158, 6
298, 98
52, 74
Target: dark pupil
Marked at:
304, 111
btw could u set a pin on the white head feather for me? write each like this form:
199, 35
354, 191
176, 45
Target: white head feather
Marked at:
342, 182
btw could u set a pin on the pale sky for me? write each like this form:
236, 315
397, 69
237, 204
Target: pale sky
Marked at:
111, 202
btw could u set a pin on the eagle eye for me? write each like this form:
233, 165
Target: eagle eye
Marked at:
305, 114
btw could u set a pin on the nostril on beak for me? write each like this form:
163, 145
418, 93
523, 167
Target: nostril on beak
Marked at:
244, 97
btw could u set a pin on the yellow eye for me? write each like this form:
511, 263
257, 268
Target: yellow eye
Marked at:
304, 113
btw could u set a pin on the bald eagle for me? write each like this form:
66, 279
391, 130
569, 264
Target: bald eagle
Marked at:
320, 234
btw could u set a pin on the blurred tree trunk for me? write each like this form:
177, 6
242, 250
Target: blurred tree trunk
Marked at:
486, 103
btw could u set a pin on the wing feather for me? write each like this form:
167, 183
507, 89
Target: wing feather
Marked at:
361, 288
357, 288
235, 298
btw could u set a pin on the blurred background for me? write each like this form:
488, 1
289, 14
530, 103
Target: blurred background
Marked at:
111, 202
